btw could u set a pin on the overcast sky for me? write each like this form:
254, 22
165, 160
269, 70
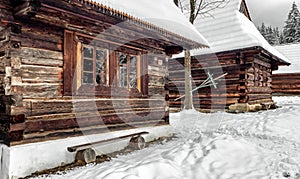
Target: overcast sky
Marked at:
271, 12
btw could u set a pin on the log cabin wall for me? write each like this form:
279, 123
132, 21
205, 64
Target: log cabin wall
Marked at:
286, 84
248, 80
158, 79
42, 109
6, 27
259, 81
206, 98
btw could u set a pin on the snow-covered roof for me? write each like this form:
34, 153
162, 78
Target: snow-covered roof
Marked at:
161, 13
291, 52
228, 29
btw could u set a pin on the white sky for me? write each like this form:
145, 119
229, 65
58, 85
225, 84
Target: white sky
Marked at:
271, 12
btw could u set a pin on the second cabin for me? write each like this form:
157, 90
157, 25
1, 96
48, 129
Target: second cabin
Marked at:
286, 81
237, 50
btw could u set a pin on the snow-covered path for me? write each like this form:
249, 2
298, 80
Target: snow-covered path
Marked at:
219, 145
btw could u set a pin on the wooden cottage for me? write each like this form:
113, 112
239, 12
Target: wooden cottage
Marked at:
76, 72
238, 49
286, 81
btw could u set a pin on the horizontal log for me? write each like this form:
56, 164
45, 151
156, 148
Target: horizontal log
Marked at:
39, 107
34, 43
17, 127
289, 91
37, 53
208, 101
286, 75
285, 81
155, 90
210, 95
262, 63
259, 90
286, 86
43, 79
221, 88
255, 97
263, 101
117, 118
156, 80
199, 107
42, 61
40, 90
33, 69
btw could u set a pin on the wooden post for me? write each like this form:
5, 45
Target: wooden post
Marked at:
188, 102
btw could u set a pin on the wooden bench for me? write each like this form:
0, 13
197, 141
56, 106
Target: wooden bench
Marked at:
86, 153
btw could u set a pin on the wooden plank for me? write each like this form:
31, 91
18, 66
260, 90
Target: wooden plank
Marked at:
145, 76
69, 57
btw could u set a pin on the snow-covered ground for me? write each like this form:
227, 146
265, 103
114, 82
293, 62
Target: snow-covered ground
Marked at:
220, 145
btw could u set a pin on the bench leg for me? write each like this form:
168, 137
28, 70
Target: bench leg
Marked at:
137, 142
86, 155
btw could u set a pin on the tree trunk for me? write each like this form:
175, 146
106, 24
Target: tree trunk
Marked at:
188, 102
176, 2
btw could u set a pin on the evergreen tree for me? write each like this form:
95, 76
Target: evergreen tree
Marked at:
297, 36
281, 38
263, 29
271, 34
291, 29
276, 36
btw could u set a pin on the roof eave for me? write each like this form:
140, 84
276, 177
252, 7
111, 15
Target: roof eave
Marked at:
273, 57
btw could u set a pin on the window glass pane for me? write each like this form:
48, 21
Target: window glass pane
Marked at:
100, 54
133, 72
87, 78
87, 65
100, 72
123, 76
123, 59
88, 52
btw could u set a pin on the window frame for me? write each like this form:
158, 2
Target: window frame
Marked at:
94, 59
129, 69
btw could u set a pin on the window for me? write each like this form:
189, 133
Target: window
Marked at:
94, 65
91, 67
128, 70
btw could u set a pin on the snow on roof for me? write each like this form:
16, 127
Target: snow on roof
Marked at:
162, 13
292, 52
228, 29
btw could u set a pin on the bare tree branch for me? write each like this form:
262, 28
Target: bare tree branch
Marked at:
195, 8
